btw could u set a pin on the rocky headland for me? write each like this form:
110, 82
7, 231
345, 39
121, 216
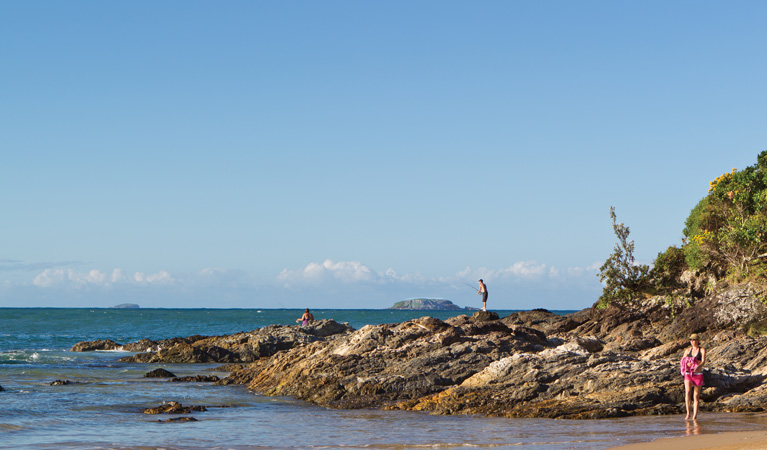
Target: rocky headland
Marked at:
596, 363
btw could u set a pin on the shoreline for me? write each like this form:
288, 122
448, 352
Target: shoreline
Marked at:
728, 440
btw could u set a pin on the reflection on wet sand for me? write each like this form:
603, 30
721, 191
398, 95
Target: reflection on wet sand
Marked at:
693, 427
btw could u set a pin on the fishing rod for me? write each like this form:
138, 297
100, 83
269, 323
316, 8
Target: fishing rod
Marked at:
473, 287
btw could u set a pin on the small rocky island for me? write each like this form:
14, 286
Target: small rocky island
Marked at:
127, 306
428, 304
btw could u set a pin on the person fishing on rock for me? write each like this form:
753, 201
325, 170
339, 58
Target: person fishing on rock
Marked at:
483, 290
691, 366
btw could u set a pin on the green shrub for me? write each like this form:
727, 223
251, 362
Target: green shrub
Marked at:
667, 269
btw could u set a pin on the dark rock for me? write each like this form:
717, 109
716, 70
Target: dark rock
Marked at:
63, 383
1, 389
178, 419
592, 344
159, 373
100, 344
174, 408
196, 378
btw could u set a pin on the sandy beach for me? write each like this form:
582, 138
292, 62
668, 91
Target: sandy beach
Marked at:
736, 440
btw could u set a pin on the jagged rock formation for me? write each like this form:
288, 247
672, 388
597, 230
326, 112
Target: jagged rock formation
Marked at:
235, 348
591, 364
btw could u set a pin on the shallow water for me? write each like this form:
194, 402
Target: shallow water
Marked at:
103, 407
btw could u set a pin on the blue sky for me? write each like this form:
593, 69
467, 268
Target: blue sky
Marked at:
354, 154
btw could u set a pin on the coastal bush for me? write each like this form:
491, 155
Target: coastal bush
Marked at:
624, 279
726, 232
667, 270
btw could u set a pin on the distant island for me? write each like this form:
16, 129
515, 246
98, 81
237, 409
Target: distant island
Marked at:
127, 306
429, 304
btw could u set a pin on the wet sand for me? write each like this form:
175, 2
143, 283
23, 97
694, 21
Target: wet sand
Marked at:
735, 440
714, 431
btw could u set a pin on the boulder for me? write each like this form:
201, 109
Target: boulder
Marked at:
159, 373
173, 407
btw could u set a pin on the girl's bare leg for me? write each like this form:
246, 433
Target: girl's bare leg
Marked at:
696, 402
687, 393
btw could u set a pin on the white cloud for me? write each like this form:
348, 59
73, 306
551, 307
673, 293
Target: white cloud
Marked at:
49, 277
53, 277
161, 277
69, 278
117, 276
328, 270
525, 269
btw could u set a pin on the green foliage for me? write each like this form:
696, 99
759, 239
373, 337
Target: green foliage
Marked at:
756, 329
693, 254
727, 230
624, 280
674, 302
667, 269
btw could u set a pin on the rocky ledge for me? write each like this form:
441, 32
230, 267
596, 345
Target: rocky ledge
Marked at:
590, 364
235, 348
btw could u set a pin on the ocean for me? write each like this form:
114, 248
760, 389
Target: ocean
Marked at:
102, 407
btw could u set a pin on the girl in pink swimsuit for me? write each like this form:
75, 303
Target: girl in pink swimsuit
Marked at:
691, 366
